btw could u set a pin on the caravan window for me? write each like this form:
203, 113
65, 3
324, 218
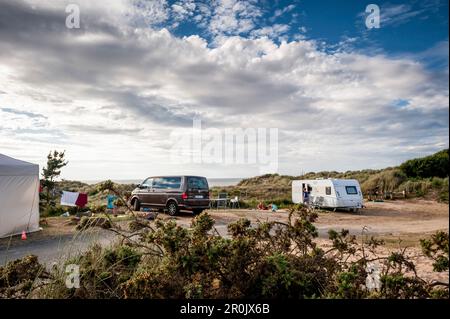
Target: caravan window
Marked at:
351, 190
328, 190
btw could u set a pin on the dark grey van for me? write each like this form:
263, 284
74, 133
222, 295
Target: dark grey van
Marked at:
172, 193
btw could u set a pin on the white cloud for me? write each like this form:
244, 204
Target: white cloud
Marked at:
398, 14
233, 17
272, 32
111, 94
183, 10
280, 12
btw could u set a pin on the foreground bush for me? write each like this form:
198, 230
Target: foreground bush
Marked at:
18, 277
268, 260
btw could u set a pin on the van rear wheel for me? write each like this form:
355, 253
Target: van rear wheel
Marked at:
172, 208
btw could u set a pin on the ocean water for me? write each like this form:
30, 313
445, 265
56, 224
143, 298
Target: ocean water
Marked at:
211, 181
223, 181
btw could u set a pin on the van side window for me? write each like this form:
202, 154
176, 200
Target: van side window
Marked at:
167, 182
328, 190
351, 190
197, 183
172, 182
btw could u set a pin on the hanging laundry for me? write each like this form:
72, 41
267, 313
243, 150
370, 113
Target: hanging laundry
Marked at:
81, 200
73, 199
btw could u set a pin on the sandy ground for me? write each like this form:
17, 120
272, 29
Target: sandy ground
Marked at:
400, 223
394, 219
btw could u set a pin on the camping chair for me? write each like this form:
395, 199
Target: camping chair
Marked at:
234, 202
222, 200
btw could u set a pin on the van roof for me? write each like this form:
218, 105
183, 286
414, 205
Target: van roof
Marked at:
161, 176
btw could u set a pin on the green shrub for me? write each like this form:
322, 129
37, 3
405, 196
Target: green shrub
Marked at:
384, 181
98, 209
443, 196
429, 166
436, 248
437, 182
17, 277
124, 255
88, 222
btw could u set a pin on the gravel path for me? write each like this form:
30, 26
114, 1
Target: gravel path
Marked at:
55, 248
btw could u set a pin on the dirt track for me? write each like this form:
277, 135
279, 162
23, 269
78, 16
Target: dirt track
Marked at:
390, 218
52, 248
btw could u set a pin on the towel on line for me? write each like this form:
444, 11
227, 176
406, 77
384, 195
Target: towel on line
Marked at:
74, 199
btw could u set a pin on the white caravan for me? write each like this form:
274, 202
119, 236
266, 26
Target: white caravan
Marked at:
328, 193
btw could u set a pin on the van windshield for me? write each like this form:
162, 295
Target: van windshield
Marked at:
197, 183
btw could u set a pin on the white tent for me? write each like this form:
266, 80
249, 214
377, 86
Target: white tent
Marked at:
19, 196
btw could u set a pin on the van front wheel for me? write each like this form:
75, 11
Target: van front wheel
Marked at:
172, 208
136, 205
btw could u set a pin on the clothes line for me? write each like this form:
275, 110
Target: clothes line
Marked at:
74, 199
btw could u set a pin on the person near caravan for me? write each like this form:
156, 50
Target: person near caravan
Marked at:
305, 196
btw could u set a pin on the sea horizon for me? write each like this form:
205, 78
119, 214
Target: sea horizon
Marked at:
213, 182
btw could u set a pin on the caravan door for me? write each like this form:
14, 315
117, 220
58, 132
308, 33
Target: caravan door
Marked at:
297, 192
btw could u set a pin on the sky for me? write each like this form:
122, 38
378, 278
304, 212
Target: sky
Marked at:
121, 92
